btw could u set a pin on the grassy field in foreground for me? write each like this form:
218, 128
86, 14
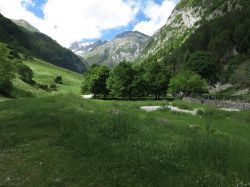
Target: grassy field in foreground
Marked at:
68, 141
45, 73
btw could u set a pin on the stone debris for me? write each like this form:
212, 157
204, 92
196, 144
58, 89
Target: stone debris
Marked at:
151, 108
176, 109
230, 109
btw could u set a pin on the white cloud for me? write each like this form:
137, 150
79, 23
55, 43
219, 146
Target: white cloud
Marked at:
157, 15
71, 20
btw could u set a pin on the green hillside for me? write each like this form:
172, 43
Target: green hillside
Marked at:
227, 39
25, 25
45, 74
38, 45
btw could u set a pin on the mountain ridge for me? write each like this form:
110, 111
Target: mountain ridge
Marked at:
125, 46
23, 23
38, 45
184, 20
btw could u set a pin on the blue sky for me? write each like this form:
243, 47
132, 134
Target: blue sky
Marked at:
89, 20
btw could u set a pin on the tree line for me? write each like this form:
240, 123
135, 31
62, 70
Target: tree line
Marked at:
156, 79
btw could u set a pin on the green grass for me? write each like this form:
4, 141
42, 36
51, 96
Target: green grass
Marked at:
64, 140
45, 73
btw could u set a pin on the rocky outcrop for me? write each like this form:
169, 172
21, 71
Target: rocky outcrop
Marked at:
126, 46
185, 18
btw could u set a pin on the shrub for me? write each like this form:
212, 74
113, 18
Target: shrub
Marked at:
53, 86
43, 86
58, 79
25, 72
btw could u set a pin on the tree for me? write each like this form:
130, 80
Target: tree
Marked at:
95, 80
241, 76
157, 78
121, 79
6, 76
188, 83
58, 79
205, 64
221, 44
25, 72
138, 84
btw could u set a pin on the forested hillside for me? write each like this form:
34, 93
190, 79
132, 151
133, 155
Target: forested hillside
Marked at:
227, 41
184, 20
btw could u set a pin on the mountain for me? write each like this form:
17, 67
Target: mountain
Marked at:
211, 38
38, 45
81, 48
25, 24
184, 20
126, 46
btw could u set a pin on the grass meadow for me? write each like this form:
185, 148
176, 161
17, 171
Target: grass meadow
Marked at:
45, 74
64, 140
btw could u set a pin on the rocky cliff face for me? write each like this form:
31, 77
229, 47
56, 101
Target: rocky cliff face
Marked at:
126, 46
186, 17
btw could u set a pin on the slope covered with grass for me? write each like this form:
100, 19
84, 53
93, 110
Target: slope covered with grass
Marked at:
68, 141
38, 45
45, 74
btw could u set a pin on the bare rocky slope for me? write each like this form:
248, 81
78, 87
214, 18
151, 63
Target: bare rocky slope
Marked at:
126, 46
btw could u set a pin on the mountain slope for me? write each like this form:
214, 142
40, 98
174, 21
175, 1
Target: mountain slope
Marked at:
184, 20
126, 46
38, 45
25, 25
227, 40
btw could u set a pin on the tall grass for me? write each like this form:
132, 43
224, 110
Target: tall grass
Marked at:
67, 141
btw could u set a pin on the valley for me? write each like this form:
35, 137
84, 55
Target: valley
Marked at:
169, 109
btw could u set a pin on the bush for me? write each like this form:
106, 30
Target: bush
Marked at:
43, 86
25, 72
53, 86
58, 79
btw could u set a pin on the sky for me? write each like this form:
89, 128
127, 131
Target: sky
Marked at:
67, 21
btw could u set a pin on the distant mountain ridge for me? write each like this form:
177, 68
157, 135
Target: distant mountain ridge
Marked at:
38, 45
125, 46
81, 48
25, 24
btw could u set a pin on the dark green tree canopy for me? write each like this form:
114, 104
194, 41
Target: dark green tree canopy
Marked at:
121, 79
95, 80
189, 83
58, 79
25, 72
205, 64
157, 78
6, 76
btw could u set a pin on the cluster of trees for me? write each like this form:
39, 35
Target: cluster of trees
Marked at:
6, 76
127, 80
